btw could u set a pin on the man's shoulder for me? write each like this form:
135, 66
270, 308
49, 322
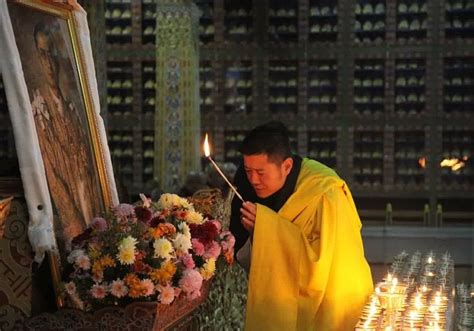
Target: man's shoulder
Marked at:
317, 178
313, 168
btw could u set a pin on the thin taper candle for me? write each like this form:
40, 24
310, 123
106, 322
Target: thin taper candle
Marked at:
207, 152
225, 178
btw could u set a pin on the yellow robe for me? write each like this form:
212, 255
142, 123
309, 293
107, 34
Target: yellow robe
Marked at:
308, 270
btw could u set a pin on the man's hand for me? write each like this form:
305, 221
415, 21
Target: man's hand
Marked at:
248, 213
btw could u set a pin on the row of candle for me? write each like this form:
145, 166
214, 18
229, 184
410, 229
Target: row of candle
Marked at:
465, 306
419, 301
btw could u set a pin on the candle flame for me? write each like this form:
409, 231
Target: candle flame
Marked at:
430, 260
207, 149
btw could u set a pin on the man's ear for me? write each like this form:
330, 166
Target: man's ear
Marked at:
287, 165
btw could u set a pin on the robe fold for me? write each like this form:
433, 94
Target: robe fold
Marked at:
308, 270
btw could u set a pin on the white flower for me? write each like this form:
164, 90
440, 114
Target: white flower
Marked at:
128, 243
182, 243
126, 253
184, 228
194, 217
163, 248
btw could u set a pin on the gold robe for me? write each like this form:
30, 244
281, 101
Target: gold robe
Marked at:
308, 270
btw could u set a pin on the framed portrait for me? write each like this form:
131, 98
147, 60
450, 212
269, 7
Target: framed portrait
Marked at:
66, 125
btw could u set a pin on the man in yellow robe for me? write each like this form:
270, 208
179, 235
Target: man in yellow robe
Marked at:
300, 233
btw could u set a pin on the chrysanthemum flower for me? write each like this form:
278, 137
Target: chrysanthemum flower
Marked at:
70, 288
83, 262
166, 294
164, 274
198, 247
163, 248
118, 288
126, 255
184, 228
182, 243
123, 210
191, 283
148, 287
208, 269
98, 291
168, 200
194, 217
213, 250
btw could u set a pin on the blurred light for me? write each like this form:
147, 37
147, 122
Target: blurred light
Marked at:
455, 164
422, 162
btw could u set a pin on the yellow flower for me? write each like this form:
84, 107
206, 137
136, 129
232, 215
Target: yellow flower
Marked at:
208, 269
126, 255
168, 201
163, 248
194, 217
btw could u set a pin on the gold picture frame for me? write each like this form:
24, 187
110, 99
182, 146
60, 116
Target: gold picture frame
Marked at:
54, 69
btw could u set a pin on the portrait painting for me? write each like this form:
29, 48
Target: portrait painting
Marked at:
63, 116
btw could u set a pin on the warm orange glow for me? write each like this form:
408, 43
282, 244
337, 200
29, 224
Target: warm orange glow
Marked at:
207, 149
455, 164
422, 162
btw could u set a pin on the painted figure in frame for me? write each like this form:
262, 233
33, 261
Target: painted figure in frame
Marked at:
61, 122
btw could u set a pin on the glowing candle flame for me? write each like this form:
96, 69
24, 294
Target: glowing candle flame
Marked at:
207, 152
394, 285
207, 149
430, 260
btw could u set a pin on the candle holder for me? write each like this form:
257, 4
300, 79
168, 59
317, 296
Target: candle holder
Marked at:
391, 299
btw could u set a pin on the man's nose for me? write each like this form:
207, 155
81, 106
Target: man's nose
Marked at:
254, 178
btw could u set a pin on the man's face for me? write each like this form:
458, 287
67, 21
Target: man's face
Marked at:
265, 176
47, 60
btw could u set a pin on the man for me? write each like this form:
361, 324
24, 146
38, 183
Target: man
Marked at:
67, 159
307, 264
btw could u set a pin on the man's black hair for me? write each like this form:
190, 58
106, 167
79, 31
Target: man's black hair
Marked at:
271, 138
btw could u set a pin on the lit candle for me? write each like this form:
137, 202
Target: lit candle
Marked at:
394, 285
207, 153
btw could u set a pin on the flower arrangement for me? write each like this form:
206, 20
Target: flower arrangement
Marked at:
154, 251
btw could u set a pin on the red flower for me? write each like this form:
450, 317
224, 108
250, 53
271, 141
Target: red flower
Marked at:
205, 232
155, 221
143, 214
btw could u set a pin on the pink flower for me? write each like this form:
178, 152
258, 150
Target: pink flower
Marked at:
99, 224
228, 240
98, 291
123, 210
212, 250
167, 294
83, 262
98, 277
118, 288
148, 286
191, 283
70, 288
188, 261
198, 247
